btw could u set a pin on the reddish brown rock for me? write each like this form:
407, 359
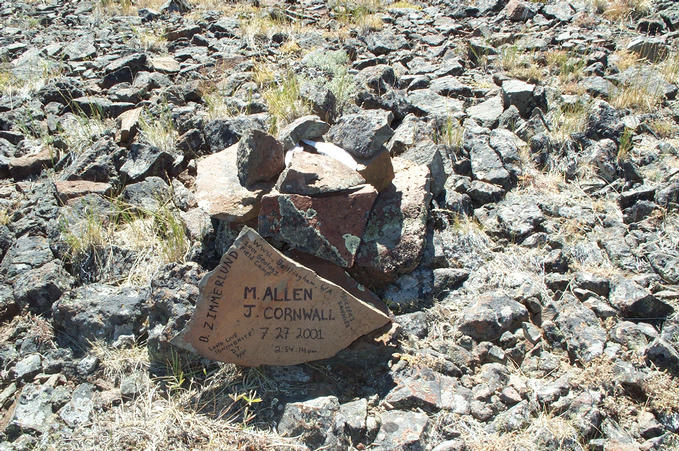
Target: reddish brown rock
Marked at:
519, 11
127, 124
219, 192
70, 189
312, 174
377, 170
22, 167
394, 237
328, 227
259, 307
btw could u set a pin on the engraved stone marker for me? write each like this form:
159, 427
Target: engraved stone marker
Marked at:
259, 307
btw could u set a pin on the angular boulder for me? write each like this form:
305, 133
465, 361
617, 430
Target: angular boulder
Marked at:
99, 312
394, 237
329, 227
219, 192
260, 157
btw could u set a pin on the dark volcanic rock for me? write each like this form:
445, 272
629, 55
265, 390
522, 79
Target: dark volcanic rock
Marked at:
315, 420
38, 288
491, 316
99, 312
362, 134
260, 158
174, 292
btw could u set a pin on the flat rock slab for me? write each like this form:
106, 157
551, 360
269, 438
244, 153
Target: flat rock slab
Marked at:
393, 240
259, 307
219, 192
312, 174
329, 227
70, 189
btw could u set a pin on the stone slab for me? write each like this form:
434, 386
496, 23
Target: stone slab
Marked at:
259, 307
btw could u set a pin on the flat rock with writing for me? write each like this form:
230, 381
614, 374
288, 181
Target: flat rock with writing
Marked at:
259, 307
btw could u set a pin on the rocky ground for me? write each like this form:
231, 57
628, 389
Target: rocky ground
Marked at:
533, 264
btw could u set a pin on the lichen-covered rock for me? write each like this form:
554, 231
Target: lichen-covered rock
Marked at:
174, 293
492, 315
393, 241
329, 227
315, 421
402, 430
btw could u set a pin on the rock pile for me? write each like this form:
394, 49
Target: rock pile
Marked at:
503, 174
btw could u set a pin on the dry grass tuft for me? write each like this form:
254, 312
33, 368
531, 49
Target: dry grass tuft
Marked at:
118, 362
284, 102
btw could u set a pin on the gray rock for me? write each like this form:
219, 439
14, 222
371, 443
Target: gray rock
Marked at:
355, 414
428, 102
87, 365
28, 252
603, 121
222, 133
598, 87
487, 112
143, 161
516, 418
306, 127
654, 50
446, 279
428, 154
27, 367
663, 354
411, 290
148, 194
634, 301
260, 157
385, 42
39, 288
79, 409
80, 49
585, 337
174, 293
378, 78
33, 412
561, 11
132, 385
491, 316
487, 165
99, 312
483, 192
97, 163
363, 134
394, 237
402, 430
519, 94
8, 306
315, 421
